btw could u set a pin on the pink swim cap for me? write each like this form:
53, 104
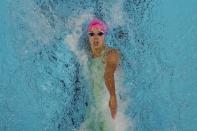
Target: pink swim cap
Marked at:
96, 23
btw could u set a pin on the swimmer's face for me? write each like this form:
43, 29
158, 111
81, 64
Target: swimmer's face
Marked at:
96, 38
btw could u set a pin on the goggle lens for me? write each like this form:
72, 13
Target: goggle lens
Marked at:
93, 34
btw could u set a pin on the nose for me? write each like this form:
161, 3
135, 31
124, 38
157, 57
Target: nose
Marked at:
96, 37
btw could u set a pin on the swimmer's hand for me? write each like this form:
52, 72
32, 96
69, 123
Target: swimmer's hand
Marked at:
113, 106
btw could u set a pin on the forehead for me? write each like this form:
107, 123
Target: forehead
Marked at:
96, 30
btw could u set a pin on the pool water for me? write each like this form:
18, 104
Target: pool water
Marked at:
44, 55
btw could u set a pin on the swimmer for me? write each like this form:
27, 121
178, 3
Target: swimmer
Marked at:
108, 58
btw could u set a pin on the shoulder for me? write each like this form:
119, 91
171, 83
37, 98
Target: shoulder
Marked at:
112, 52
112, 55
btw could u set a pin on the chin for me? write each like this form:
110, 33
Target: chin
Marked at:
97, 47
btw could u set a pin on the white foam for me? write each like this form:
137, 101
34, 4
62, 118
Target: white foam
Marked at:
72, 39
122, 121
117, 16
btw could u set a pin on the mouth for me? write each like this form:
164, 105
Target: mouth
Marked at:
96, 43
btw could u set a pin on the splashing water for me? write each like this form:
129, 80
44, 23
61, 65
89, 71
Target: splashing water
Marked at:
122, 122
44, 56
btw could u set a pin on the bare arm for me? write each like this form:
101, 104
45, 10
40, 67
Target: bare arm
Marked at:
111, 64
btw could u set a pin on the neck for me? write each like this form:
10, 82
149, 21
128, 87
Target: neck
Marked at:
96, 52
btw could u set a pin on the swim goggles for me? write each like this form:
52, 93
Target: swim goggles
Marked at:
93, 34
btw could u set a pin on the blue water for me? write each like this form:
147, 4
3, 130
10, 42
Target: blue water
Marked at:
42, 84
